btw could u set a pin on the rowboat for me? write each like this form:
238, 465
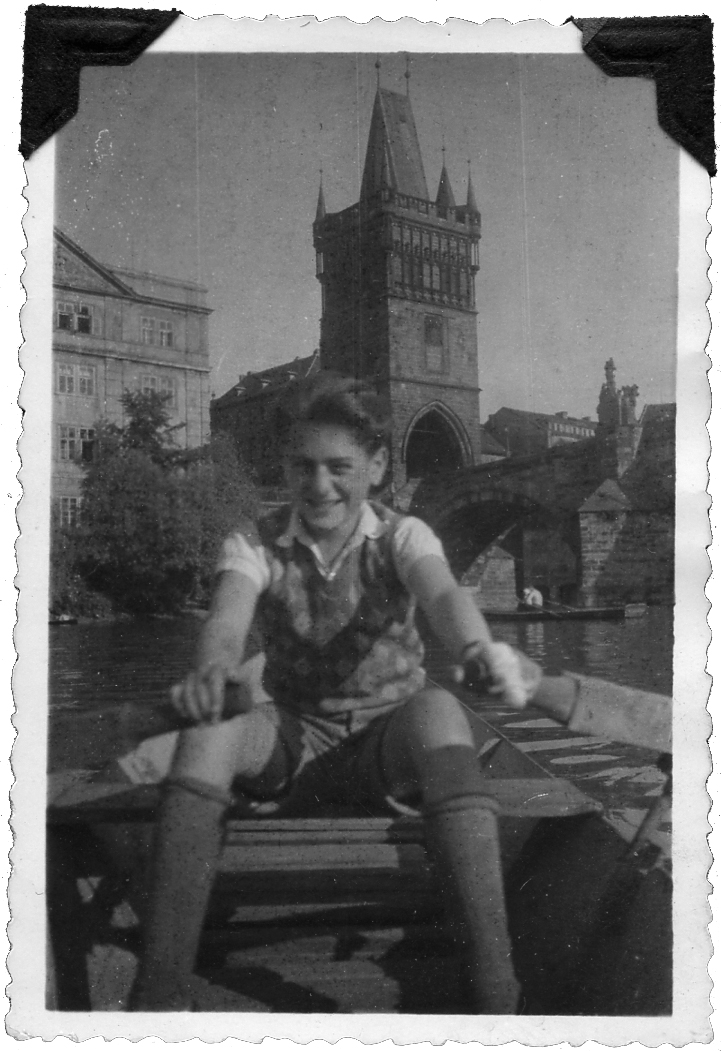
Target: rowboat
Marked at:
339, 911
568, 613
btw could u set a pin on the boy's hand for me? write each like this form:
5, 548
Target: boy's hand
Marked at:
507, 671
201, 697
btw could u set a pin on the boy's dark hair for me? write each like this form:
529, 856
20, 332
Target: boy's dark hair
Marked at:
341, 401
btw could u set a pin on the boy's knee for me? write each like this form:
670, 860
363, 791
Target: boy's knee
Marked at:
210, 752
436, 718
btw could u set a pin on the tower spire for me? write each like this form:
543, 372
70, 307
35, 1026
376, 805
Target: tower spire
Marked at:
393, 143
444, 198
378, 73
407, 75
320, 210
471, 205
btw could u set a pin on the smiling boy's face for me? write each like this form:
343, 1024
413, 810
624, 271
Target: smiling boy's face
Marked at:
330, 474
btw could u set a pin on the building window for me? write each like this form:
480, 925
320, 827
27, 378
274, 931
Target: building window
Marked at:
167, 387
66, 379
162, 385
78, 317
77, 443
84, 319
434, 342
165, 330
86, 380
76, 379
66, 316
147, 330
69, 510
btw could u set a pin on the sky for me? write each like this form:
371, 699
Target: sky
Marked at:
205, 167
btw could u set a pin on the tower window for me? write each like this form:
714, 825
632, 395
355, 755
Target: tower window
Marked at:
434, 338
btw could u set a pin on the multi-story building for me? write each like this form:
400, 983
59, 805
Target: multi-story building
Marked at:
397, 273
524, 433
116, 330
248, 413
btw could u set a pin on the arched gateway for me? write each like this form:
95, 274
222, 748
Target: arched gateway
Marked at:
435, 442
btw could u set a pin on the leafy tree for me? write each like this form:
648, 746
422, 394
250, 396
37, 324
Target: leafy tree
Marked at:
153, 515
148, 427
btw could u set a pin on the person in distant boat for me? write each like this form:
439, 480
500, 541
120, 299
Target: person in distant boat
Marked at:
532, 598
332, 581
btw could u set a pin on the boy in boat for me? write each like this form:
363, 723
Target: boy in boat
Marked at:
332, 582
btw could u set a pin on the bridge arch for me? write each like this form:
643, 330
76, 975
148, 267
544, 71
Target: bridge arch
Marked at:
470, 522
435, 441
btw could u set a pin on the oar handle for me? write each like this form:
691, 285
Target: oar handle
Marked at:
163, 718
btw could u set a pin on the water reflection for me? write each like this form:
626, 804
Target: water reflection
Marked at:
106, 679
635, 652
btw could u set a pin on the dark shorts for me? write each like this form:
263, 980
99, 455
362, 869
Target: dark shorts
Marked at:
305, 763
294, 761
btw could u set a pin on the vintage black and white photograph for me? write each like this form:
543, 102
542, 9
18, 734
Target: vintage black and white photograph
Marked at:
362, 508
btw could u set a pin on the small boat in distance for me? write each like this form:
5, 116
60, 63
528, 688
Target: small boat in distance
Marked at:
631, 610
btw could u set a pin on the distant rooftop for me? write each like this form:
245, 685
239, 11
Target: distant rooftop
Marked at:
271, 379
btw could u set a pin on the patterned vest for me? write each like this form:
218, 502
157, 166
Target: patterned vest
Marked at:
338, 645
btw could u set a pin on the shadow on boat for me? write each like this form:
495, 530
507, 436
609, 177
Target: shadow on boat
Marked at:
341, 912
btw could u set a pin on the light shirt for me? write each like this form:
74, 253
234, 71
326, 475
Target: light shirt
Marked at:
412, 540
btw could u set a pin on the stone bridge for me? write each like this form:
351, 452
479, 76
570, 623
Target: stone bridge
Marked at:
471, 508
607, 503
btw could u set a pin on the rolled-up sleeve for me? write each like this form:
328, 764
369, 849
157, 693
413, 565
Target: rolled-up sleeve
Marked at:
240, 555
413, 540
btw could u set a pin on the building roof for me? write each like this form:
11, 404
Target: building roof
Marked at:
393, 156
76, 269
270, 380
538, 420
490, 446
608, 497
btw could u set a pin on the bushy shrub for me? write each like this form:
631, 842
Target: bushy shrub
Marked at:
69, 591
153, 516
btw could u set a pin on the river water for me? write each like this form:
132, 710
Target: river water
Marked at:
105, 676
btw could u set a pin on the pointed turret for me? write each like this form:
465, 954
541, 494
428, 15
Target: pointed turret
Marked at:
320, 210
445, 201
385, 180
471, 206
393, 145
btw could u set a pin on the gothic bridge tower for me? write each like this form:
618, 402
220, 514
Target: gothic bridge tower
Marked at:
398, 300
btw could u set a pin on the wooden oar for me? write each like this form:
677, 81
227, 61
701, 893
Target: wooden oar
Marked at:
587, 704
593, 706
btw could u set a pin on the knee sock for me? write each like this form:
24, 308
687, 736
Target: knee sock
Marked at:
463, 837
188, 839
